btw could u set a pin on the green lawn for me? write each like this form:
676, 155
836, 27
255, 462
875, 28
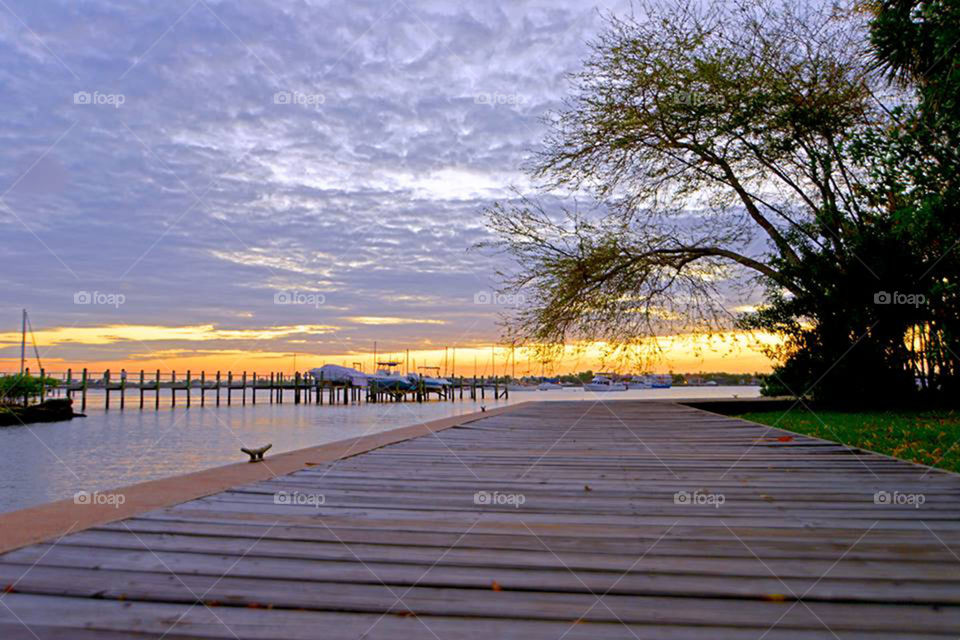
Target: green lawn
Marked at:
927, 437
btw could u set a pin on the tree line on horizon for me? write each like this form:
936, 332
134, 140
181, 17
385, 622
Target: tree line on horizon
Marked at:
807, 153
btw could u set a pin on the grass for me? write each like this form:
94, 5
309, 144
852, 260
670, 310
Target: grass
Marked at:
928, 437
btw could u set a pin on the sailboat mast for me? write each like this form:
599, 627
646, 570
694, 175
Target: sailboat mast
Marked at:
23, 341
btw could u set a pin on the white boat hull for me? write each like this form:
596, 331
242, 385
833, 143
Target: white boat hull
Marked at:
429, 383
604, 387
547, 386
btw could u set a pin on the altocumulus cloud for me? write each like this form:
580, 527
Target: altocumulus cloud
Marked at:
197, 157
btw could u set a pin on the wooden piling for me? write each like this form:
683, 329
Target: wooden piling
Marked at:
218, 387
229, 388
141, 388
156, 400
243, 392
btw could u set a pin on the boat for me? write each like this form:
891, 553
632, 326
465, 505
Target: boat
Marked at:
603, 383
429, 382
387, 378
344, 375
660, 380
547, 386
520, 387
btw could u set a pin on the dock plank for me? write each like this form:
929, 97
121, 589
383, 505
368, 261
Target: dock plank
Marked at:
613, 519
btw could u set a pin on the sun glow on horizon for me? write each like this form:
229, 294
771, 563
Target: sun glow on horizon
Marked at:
288, 349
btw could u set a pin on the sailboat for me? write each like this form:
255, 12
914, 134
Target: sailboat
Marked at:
24, 325
547, 385
516, 386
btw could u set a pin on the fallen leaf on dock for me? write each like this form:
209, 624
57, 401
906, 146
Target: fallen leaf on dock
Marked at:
496, 586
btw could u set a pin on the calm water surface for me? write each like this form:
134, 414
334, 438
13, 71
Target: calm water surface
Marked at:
110, 449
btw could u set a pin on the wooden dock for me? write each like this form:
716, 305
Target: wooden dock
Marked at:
299, 387
579, 520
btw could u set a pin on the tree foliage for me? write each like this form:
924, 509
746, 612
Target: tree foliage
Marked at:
15, 387
745, 142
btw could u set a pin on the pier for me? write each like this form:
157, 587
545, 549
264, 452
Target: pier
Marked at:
580, 520
145, 389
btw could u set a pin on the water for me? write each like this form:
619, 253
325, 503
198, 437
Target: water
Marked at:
110, 449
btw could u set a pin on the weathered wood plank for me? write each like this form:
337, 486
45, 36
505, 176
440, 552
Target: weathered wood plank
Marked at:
397, 542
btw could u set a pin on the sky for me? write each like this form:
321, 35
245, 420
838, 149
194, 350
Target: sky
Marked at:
211, 184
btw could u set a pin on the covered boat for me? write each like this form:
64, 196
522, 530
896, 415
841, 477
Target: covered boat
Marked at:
344, 375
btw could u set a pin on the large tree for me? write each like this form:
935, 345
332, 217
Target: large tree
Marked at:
917, 170
726, 144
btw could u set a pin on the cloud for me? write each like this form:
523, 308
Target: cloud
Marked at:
385, 320
147, 154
